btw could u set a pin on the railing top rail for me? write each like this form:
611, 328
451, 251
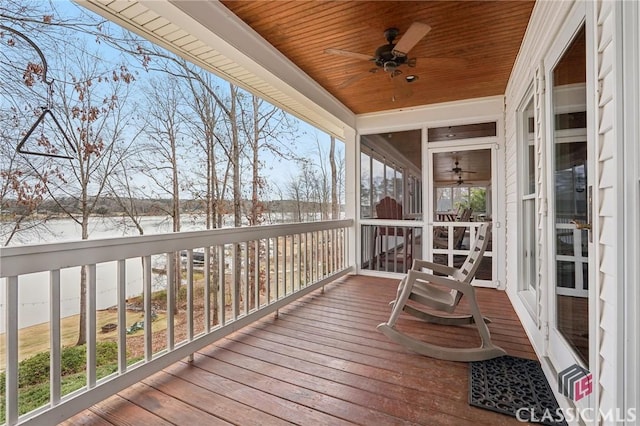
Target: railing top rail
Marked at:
45, 257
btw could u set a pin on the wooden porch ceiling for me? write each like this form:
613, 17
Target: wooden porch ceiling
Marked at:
468, 53
321, 362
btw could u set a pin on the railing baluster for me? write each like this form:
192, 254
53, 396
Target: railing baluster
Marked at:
222, 290
148, 335
277, 269
339, 240
334, 250
345, 248
284, 265
325, 253
292, 264
170, 259
11, 348
300, 261
207, 289
256, 273
91, 326
54, 342
314, 256
305, 270
268, 271
189, 268
121, 272
246, 286
234, 282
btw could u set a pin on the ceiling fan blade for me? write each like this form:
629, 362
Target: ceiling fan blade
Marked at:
357, 77
401, 89
349, 54
451, 182
414, 34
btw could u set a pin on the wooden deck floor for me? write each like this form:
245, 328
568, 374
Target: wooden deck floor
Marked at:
322, 362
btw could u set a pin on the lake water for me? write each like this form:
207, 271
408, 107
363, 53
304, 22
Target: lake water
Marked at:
33, 290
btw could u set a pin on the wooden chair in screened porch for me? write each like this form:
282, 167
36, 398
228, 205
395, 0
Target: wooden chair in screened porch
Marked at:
441, 290
397, 253
441, 233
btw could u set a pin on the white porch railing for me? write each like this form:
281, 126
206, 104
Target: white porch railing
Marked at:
452, 253
232, 276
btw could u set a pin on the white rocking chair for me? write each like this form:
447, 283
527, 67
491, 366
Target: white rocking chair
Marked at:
426, 289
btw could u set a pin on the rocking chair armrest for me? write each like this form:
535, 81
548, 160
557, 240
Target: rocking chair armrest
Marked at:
418, 264
460, 286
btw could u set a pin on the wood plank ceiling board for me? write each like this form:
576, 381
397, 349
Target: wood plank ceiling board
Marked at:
468, 53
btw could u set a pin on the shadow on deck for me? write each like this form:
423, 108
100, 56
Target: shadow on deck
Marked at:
322, 362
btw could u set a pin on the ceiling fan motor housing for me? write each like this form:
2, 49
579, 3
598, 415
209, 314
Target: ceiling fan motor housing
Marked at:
384, 55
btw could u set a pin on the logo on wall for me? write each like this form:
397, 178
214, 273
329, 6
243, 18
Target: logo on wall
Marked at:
575, 382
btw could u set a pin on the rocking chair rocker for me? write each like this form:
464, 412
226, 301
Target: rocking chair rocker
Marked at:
426, 288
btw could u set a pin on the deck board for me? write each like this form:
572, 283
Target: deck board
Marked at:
321, 362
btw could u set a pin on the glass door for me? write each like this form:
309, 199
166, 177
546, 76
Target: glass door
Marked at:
570, 199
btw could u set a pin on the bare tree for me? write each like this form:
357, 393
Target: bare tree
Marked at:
334, 180
270, 131
203, 129
164, 150
126, 193
165, 145
94, 121
295, 192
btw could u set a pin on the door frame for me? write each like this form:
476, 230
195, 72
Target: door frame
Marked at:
557, 350
492, 144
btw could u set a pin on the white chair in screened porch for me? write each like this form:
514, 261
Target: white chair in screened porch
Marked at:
443, 292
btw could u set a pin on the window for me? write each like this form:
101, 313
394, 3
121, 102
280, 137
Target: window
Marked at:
390, 167
527, 184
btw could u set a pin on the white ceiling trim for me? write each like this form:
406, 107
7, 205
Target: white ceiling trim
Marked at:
209, 35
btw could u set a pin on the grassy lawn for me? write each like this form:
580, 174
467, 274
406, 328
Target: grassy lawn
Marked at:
35, 339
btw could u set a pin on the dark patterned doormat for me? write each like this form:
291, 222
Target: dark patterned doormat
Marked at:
513, 386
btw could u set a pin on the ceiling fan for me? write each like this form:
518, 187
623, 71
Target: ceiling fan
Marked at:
390, 57
458, 170
459, 181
